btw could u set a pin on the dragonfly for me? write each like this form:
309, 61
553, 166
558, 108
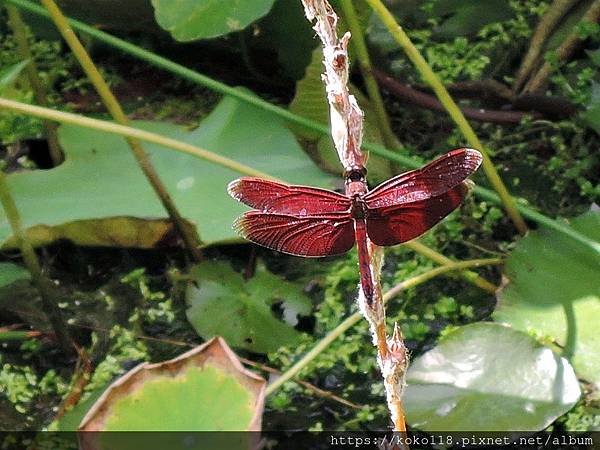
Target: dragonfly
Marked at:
314, 222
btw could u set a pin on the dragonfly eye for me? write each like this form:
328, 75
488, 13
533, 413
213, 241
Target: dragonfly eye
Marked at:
355, 174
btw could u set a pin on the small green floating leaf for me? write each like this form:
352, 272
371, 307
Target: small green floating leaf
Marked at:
205, 389
189, 20
225, 304
488, 377
553, 290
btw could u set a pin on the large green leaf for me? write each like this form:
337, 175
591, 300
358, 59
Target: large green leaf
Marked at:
554, 290
225, 304
205, 389
310, 98
488, 377
189, 20
100, 180
287, 19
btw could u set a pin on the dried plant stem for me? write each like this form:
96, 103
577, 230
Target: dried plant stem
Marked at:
346, 130
81, 377
39, 91
391, 354
564, 52
408, 95
450, 105
113, 106
353, 319
364, 60
43, 285
311, 387
548, 22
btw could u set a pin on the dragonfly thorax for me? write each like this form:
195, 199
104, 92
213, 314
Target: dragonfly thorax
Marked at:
356, 187
359, 207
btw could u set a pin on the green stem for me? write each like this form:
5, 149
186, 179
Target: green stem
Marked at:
535, 216
203, 80
452, 108
356, 317
130, 132
20, 33
450, 267
43, 285
468, 275
6, 336
113, 106
362, 54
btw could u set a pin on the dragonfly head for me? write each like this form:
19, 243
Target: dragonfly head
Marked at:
355, 180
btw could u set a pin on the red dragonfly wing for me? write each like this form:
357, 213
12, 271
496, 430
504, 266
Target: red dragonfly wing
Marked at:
429, 181
391, 225
271, 197
330, 234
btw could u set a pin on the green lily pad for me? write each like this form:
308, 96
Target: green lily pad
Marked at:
488, 377
9, 273
225, 304
189, 20
553, 290
89, 198
205, 389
